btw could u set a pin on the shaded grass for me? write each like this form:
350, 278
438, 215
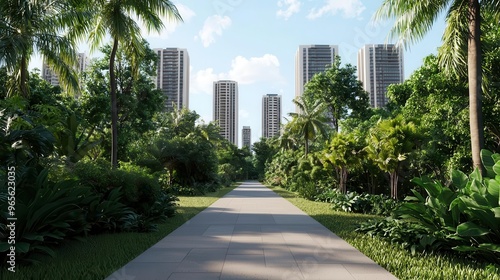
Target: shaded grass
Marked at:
96, 257
395, 259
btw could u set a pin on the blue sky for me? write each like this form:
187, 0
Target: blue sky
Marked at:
254, 42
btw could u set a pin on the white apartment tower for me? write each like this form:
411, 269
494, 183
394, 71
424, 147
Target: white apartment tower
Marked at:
271, 115
226, 109
310, 60
51, 77
379, 66
173, 76
246, 137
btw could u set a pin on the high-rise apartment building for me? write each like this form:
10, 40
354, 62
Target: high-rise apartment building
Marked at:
173, 76
246, 137
271, 115
310, 60
379, 66
226, 109
50, 76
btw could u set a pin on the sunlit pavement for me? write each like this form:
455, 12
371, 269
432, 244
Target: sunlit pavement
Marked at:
251, 233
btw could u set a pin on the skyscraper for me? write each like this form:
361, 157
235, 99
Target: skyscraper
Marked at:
226, 109
312, 59
173, 76
379, 66
50, 76
247, 137
271, 115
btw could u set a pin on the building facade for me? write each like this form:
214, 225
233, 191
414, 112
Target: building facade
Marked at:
226, 109
246, 137
379, 66
172, 76
50, 76
310, 60
271, 115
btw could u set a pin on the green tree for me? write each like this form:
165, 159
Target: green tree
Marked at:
463, 24
118, 19
343, 153
390, 143
138, 101
29, 26
264, 151
309, 123
341, 91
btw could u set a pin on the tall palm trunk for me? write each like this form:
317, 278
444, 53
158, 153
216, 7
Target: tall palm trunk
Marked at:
114, 107
23, 77
474, 58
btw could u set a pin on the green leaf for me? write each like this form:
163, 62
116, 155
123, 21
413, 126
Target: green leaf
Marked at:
471, 229
490, 247
459, 179
488, 162
4, 246
22, 247
496, 211
476, 174
493, 189
465, 248
496, 168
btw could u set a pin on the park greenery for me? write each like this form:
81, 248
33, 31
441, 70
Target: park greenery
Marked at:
100, 156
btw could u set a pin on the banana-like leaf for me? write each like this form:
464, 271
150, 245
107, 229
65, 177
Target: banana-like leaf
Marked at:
471, 229
459, 179
488, 162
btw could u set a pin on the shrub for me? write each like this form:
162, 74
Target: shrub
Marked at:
358, 203
46, 214
139, 188
464, 217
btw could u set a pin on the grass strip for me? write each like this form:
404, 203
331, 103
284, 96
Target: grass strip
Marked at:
96, 257
395, 259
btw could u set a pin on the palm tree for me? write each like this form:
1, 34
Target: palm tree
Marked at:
28, 26
390, 143
117, 18
310, 122
415, 18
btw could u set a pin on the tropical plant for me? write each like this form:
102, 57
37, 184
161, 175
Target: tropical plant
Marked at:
36, 26
463, 217
339, 89
343, 153
309, 122
46, 214
70, 144
390, 143
118, 19
463, 30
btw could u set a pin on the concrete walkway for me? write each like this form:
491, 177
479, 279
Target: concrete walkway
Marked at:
251, 233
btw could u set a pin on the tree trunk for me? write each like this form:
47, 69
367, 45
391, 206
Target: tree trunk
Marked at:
23, 77
394, 184
343, 179
474, 58
114, 107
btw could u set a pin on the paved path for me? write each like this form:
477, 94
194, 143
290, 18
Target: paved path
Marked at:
251, 233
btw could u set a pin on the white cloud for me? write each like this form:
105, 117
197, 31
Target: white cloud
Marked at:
288, 8
255, 69
348, 8
243, 70
170, 24
202, 81
214, 25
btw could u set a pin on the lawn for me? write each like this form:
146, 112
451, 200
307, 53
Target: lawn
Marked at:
393, 258
96, 257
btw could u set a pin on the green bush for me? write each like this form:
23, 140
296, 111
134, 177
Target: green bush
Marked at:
464, 217
358, 203
46, 214
139, 188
